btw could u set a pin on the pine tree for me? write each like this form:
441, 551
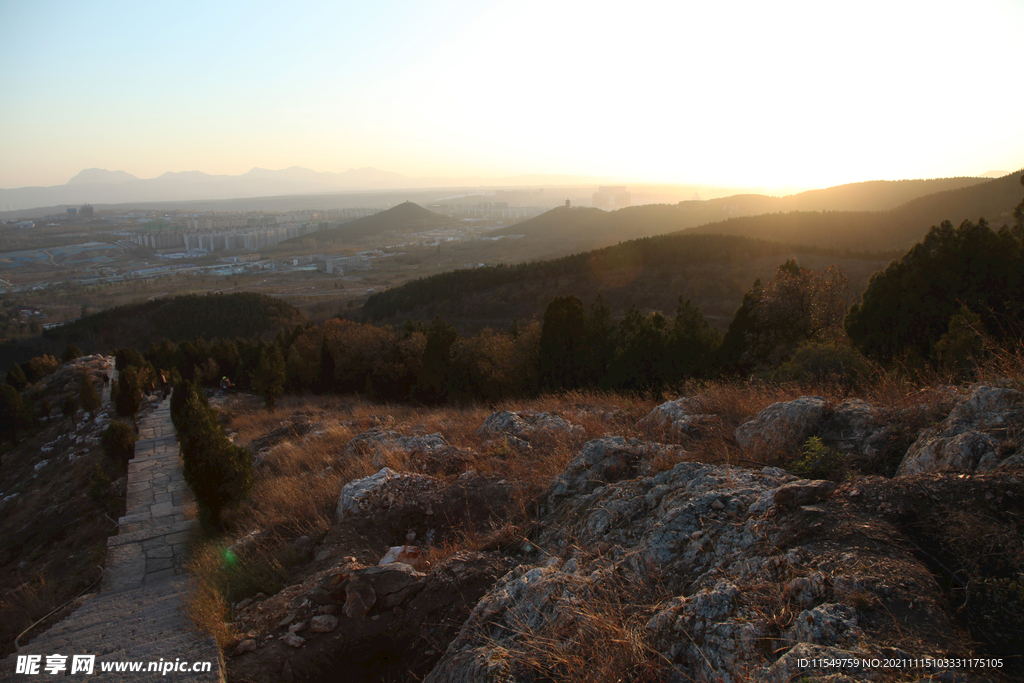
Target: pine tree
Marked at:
88, 397
268, 380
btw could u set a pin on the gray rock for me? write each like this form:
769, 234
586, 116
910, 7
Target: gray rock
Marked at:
355, 493
382, 444
247, 645
607, 460
828, 624
803, 492
684, 416
524, 424
782, 426
293, 640
971, 435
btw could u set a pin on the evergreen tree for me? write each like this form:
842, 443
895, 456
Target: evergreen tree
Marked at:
907, 308
218, 472
128, 398
12, 412
69, 408
16, 378
691, 343
563, 344
325, 378
88, 397
269, 378
600, 341
432, 383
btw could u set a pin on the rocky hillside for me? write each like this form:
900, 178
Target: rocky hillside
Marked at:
59, 495
717, 537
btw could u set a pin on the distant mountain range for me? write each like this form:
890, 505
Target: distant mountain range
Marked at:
100, 186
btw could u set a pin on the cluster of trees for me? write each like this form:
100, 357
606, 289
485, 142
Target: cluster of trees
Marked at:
239, 314
219, 472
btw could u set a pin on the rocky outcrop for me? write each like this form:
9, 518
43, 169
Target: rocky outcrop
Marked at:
607, 460
978, 434
361, 616
360, 494
382, 445
782, 427
682, 417
525, 424
735, 567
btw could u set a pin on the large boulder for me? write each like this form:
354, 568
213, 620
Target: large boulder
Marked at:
977, 432
783, 426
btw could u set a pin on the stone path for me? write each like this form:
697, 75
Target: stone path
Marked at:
137, 614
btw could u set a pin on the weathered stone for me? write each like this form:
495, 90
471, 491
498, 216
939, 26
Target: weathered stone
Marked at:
381, 444
607, 460
782, 426
683, 417
393, 583
293, 640
524, 424
409, 554
803, 492
324, 623
828, 624
360, 598
971, 434
354, 492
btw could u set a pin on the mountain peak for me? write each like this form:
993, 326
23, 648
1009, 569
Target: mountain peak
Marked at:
101, 176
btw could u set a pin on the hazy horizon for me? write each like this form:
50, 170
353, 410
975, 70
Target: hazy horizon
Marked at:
792, 95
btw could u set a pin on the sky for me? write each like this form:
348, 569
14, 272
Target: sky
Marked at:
737, 94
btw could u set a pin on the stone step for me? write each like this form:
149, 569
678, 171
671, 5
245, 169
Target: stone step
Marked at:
109, 613
147, 534
137, 615
114, 644
185, 646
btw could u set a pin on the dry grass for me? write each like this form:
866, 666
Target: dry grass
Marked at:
205, 603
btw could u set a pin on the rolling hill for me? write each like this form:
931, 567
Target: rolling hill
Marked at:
863, 216
398, 220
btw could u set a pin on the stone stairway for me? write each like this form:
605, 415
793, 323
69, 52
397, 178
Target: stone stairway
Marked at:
137, 616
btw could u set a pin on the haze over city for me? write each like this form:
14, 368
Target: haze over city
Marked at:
799, 94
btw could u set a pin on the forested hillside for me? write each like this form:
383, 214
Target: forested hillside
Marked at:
652, 273
211, 316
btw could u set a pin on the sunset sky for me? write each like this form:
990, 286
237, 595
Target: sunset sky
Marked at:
759, 93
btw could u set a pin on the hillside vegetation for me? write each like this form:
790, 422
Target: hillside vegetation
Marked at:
242, 314
712, 271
